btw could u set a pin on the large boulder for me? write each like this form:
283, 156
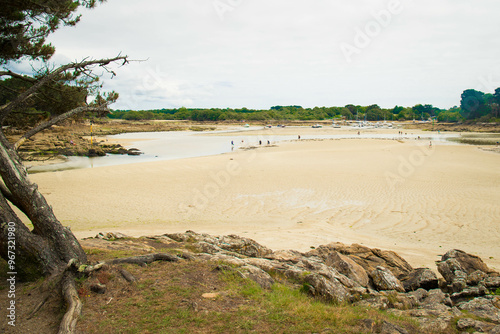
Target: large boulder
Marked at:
257, 275
454, 274
383, 279
469, 263
243, 246
421, 278
329, 289
347, 267
367, 258
285, 256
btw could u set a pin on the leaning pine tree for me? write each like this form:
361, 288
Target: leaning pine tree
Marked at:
48, 248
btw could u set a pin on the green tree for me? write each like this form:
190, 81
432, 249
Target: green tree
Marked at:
48, 248
26, 24
473, 104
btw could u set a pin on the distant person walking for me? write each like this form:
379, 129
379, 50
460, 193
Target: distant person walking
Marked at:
430, 144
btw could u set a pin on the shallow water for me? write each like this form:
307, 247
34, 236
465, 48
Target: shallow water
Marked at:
158, 146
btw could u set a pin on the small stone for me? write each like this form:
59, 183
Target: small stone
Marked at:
98, 288
211, 295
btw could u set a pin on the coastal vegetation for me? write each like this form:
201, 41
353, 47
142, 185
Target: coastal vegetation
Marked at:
44, 247
474, 106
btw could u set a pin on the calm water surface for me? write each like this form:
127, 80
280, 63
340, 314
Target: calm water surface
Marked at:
158, 146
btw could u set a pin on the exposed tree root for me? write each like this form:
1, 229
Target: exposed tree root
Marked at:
68, 323
142, 260
128, 276
70, 294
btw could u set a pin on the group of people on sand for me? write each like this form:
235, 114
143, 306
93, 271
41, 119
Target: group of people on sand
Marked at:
243, 142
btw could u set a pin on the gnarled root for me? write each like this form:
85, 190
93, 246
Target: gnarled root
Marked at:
68, 323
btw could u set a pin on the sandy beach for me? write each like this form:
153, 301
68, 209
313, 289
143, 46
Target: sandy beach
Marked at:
400, 195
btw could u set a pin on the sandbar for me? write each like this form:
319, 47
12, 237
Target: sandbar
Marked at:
399, 195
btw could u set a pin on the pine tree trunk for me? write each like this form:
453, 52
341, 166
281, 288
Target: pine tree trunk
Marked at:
49, 246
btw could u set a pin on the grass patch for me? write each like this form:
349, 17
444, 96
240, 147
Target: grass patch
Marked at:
169, 298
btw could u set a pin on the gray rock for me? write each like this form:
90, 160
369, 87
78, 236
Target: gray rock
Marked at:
495, 330
264, 264
347, 267
468, 324
368, 325
475, 291
243, 246
315, 264
421, 278
485, 307
492, 282
476, 277
257, 275
206, 247
366, 257
453, 273
375, 301
191, 236
231, 260
285, 256
437, 296
329, 289
388, 328
419, 294
383, 279
469, 263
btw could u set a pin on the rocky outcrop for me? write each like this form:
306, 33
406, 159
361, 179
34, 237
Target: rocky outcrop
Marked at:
420, 278
366, 277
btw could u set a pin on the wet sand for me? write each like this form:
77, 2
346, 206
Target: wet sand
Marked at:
399, 195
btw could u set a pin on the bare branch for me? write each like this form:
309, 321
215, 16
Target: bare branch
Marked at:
16, 75
55, 120
6, 109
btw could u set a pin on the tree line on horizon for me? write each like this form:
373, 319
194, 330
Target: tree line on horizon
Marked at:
474, 106
57, 97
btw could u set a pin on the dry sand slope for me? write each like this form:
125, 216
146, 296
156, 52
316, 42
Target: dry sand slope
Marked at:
402, 196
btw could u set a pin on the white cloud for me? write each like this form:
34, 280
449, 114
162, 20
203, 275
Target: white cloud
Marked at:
262, 53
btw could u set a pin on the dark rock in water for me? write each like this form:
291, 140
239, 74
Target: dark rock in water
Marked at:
134, 151
95, 153
421, 278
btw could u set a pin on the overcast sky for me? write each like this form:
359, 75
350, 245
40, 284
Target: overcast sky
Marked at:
256, 54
